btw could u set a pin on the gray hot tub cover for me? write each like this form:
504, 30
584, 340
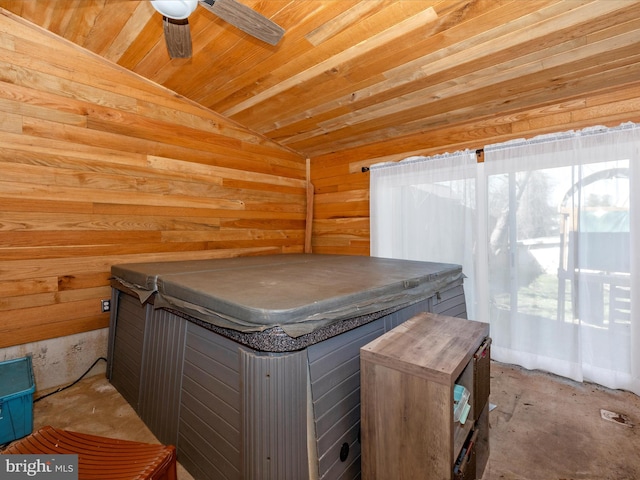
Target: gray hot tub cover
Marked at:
299, 293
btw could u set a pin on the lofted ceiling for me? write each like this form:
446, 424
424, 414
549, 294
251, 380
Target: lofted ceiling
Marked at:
353, 72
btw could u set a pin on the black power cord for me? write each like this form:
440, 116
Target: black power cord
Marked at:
71, 384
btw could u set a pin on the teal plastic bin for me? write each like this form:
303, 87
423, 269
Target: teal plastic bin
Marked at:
16, 399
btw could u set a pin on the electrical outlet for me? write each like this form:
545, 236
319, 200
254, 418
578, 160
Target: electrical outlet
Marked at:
106, 305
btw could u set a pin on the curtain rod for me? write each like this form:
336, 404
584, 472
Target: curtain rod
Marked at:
479, 159
595, 130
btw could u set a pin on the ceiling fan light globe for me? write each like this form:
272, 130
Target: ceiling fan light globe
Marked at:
175, 9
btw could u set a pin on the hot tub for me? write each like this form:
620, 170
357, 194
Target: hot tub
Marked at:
250, 365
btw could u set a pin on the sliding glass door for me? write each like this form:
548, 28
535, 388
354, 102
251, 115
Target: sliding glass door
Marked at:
559, 267
544, 230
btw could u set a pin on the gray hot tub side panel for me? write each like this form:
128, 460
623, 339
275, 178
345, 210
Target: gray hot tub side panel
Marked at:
162, 374
291, 295
243, 414
145, 362
210, 416
334, 373
126, 352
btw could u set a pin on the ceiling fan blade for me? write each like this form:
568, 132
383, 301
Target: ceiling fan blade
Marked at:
177, 36
245, 19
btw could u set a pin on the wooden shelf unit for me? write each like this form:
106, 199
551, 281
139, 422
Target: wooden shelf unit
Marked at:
407, 382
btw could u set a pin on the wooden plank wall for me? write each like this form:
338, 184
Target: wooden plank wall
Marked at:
341, 201
98, 166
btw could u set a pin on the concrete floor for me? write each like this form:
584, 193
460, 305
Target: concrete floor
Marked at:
549, 428
543, 427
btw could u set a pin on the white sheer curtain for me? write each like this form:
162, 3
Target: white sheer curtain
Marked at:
423, 208
544, 231
562, 219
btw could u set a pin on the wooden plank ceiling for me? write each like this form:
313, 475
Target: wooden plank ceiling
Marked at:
349, 73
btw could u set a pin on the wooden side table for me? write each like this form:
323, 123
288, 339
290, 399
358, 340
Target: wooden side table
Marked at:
407, 400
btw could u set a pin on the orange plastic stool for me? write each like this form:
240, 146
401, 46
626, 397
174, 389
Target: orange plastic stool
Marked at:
102, 458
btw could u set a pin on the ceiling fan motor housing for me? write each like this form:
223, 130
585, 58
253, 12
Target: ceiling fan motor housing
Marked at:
175, 9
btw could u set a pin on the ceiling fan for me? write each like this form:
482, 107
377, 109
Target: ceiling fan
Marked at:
176, 26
